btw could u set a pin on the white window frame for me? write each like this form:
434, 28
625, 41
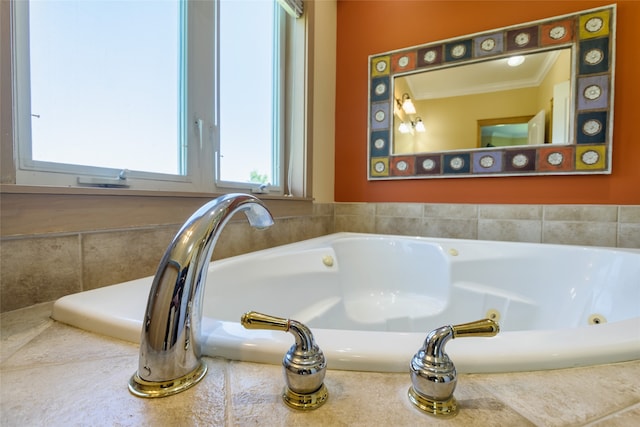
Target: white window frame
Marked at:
200, 119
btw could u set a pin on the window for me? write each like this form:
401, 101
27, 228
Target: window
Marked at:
156, 94
249, 92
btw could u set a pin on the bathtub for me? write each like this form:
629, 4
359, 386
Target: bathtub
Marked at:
370, 301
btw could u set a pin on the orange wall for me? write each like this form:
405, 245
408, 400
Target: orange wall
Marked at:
370, 27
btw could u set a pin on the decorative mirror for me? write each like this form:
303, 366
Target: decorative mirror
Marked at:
529, 99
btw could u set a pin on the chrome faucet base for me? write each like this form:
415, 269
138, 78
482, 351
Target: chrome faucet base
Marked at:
447, 408
142, 388
306, 401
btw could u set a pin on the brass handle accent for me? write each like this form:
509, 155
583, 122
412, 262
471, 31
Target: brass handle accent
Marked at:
479, 328
255, 320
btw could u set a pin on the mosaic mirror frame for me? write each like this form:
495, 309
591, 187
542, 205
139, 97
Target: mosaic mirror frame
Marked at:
589, 150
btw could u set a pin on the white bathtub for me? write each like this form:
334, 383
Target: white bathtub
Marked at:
370, 301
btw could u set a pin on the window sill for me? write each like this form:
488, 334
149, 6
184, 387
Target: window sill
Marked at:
33, 189
33, 210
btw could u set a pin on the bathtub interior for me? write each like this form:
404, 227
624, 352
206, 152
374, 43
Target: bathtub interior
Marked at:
414, 285
328, 288
370, 301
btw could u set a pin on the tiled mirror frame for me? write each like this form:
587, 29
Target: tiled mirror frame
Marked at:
589, 150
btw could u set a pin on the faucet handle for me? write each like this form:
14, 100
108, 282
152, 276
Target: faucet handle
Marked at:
433, 374
479, 328
304, 365
255, 320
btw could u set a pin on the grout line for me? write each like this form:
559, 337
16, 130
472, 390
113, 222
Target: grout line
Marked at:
608, 417
81, 261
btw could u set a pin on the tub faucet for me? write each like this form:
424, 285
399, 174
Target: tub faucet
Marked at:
170, 351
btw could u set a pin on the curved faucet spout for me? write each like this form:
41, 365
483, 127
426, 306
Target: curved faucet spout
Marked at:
170, 351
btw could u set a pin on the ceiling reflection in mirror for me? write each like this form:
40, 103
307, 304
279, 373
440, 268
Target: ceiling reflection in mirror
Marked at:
450, 102
457, 108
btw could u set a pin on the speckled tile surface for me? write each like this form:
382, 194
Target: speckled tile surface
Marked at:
20, 326
55, 375
568, 396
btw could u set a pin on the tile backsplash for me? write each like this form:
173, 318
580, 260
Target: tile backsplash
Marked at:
601, 225
44, 267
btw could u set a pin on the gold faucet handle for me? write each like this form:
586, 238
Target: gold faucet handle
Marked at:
255, 320
479, 328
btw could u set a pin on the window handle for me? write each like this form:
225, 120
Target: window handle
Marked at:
199, 130
118, 182
261, 189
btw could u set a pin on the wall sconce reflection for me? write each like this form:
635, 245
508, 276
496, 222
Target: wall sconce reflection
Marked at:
405, 127
514, 61
409, 127
407, 104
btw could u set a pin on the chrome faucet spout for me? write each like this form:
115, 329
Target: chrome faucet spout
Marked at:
170, 350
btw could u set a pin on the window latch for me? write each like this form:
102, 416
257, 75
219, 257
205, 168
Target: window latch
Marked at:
262, 189
118, 182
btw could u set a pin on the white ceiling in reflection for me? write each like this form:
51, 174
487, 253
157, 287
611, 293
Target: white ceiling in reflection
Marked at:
480, 77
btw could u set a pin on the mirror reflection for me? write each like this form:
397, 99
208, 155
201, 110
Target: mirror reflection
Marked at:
517, 100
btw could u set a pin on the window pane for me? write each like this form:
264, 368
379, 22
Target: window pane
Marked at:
105, 83
247, 90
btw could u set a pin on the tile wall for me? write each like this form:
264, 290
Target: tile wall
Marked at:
601, 225
40, 268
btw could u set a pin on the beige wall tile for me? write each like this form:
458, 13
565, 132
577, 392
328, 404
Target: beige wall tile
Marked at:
108, 257
452, 228
450, 211
239, 238
307, 228
355, 217
399, 225
600, 213
629, 236
355, 209
36, 270
510, 212
118, 256
629, 214
355, 223
323, 209
510, 230
580, 233
408, 210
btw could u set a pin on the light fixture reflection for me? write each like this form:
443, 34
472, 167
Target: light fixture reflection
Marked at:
514, 61
409, 127
404, 128
407, 105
